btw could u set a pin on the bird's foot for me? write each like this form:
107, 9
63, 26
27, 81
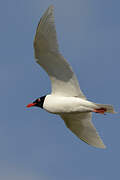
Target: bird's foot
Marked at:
101, 110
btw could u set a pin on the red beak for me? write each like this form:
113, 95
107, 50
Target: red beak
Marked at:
30, 105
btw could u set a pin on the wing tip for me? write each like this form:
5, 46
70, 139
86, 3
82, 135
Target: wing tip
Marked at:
97, 144
48, 12
51, 6
50, 9
101, 146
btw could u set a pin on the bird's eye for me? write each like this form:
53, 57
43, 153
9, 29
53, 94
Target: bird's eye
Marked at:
38, 99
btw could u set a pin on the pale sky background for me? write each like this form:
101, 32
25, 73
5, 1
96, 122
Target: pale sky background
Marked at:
34, 144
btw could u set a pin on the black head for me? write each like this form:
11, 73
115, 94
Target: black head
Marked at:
38, 102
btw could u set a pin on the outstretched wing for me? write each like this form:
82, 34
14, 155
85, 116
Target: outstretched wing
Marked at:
80, 124
63, 80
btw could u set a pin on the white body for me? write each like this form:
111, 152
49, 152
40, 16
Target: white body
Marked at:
60, 104
66, 98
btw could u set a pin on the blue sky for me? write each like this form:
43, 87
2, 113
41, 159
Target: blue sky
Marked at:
34, 144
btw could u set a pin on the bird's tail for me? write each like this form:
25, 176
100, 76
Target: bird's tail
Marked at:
104, 108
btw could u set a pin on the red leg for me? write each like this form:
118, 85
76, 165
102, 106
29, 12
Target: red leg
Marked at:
101, 110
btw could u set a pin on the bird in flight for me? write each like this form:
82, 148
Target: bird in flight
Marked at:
66, 98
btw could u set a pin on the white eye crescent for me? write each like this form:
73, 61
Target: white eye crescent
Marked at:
38, 99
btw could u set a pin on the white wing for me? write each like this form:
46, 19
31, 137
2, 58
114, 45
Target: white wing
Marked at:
47, 55
80, 124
